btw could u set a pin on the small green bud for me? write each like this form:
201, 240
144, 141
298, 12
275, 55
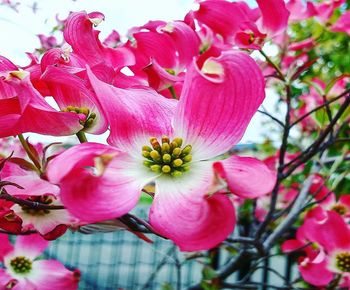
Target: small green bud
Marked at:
178, 141
176, 173
174, 145
156, 168
166, 168
70, 108
187, 150
176, 152
88, 123
185, 168
146, 148
177, 162
187, 158
145, 154
155, 144
165, 148
84, 110
92, 115
166, 158
148, 163
155, 155
165, 139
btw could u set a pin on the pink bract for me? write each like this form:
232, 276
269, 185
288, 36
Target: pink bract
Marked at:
102, 182
36, 274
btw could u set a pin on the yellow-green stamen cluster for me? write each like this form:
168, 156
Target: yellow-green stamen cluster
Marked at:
339, 208
90, 116
34, 211
21, 265
167, 157
343, 261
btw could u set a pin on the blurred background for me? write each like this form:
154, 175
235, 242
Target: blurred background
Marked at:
22, 22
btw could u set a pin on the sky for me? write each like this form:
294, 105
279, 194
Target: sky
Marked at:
18, 30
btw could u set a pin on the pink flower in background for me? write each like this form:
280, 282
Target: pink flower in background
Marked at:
173, 144
329, 252
241, 25
163, 68
23, 270
23, 109
49, 223
342, 24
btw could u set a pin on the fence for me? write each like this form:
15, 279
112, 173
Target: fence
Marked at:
119, 260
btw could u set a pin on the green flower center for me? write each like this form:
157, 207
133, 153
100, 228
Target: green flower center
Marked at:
21, 265
89, 116
167, 157
339, 208
37, 212
343, 261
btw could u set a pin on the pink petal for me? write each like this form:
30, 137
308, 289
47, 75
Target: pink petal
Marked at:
246, 177
316, 274
84, 40
5, 279
70, 90
291, 245
6, 246
7, 65
214, 111
231, 16
274, 15
150, 45
51, 274
29, 180
134, 115
326, 232
30, 246
186, 42
92, 194
342, 24
184, 213
35, 114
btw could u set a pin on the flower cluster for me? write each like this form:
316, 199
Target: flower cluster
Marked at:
175, 99
186, 101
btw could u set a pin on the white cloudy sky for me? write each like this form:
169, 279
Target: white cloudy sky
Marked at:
18, 30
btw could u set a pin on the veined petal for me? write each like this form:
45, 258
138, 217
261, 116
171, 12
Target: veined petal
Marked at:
274, 15
183, 212
51, 274
6, 65
5, 279
36, 115
80, 155
30, 246
70, 90
246, 177
326, 232
217, 103
315, 274
231, 16
342, 24
100, 183
30, 181
79, 33
6, 247
134, 115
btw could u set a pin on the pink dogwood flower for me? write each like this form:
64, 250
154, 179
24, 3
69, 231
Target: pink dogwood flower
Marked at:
326, 241
342, 24
24, 271
241, 25
173, 144
49, 223
23, 109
